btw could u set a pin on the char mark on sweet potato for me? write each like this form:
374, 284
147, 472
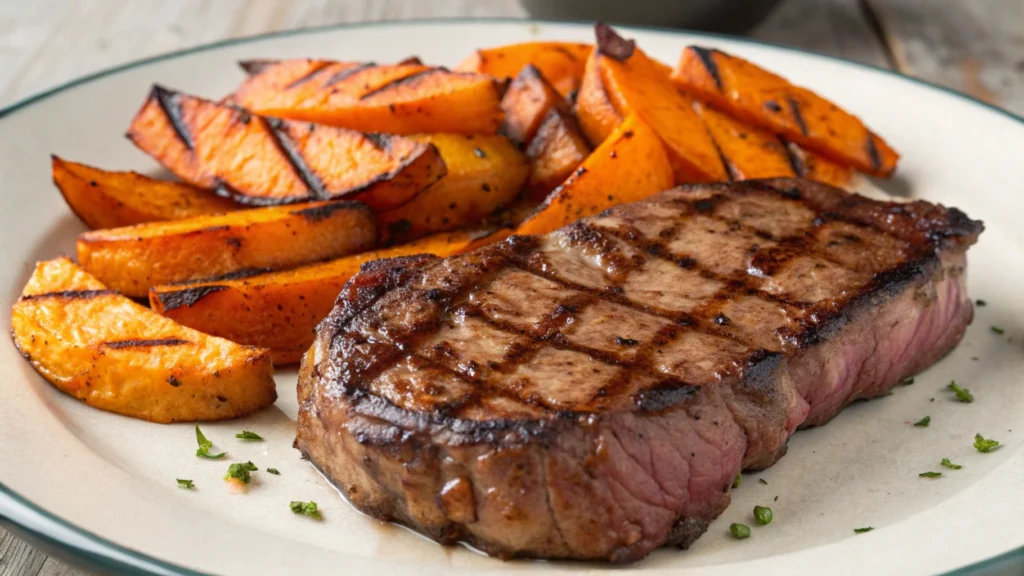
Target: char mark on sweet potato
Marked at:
145, 343
603, 384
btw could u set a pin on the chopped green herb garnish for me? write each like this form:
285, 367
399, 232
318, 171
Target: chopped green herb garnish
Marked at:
204, 446
930, 474
762, 481
907, 381
945, 462
240, 471
863, 530
985, 445
737, 481
924, 422
739, 531
962, 394
763, 515
980, 302
273, 471
246, 435
307, 508
998, 330
187, 484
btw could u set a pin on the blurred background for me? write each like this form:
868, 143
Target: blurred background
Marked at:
974, 46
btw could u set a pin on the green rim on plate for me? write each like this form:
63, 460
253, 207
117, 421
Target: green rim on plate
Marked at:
93, 551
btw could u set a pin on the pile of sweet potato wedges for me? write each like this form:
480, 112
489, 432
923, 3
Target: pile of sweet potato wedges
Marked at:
311, 168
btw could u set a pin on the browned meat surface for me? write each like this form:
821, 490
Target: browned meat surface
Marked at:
592, 393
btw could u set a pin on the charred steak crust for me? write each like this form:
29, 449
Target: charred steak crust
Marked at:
592, 393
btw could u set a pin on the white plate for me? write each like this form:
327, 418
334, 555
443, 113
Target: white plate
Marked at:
107, 482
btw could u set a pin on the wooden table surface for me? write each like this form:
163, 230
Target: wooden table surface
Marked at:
974, 46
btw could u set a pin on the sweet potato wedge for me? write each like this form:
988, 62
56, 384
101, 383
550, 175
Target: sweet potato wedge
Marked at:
484, 173
279, 310
555, 152
133, 258
629, 165
748, 152
816, 167
561, 63
103, 199
526, 104
116, 355
407, 98
594, 109
263, 161
762, 98
637, 84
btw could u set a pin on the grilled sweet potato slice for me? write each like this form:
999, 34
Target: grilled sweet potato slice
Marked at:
262, 161
484, 173
561, 63
279, 310
133, 258
760, 97
637, 84
538, 118
555, 152
630, 165
748, 152
116, 355
594, 109
105, 199
407, 98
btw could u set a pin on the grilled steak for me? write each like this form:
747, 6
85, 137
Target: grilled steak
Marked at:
593, 393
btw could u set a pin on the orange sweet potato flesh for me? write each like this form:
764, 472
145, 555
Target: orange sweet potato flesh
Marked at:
133, 258
561, 63
407, 98
263, 161
116, 355
555, 152
594, 109
629, 165
104, 199
637, 84
762, 98
484, 173
816, 167
748, 152
279, 310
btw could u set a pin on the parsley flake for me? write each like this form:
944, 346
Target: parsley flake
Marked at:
863, 530
946, 462
186, 484
930, 474
762, 481
923, 422
739, 531
204, 446
763, 515
246, 435
307, 508
736, 482
985, 445
273, 471
998, 330
907, 381
240, 471
962, 394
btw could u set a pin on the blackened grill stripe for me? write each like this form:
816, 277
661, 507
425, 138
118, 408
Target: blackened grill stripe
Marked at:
287, 146
706, 57
70, 294
170, 105
253, 67
346, 72
400, 81
314, 70
186, 297
145, 343
793, 155
798, 116
872, 150
325, 211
